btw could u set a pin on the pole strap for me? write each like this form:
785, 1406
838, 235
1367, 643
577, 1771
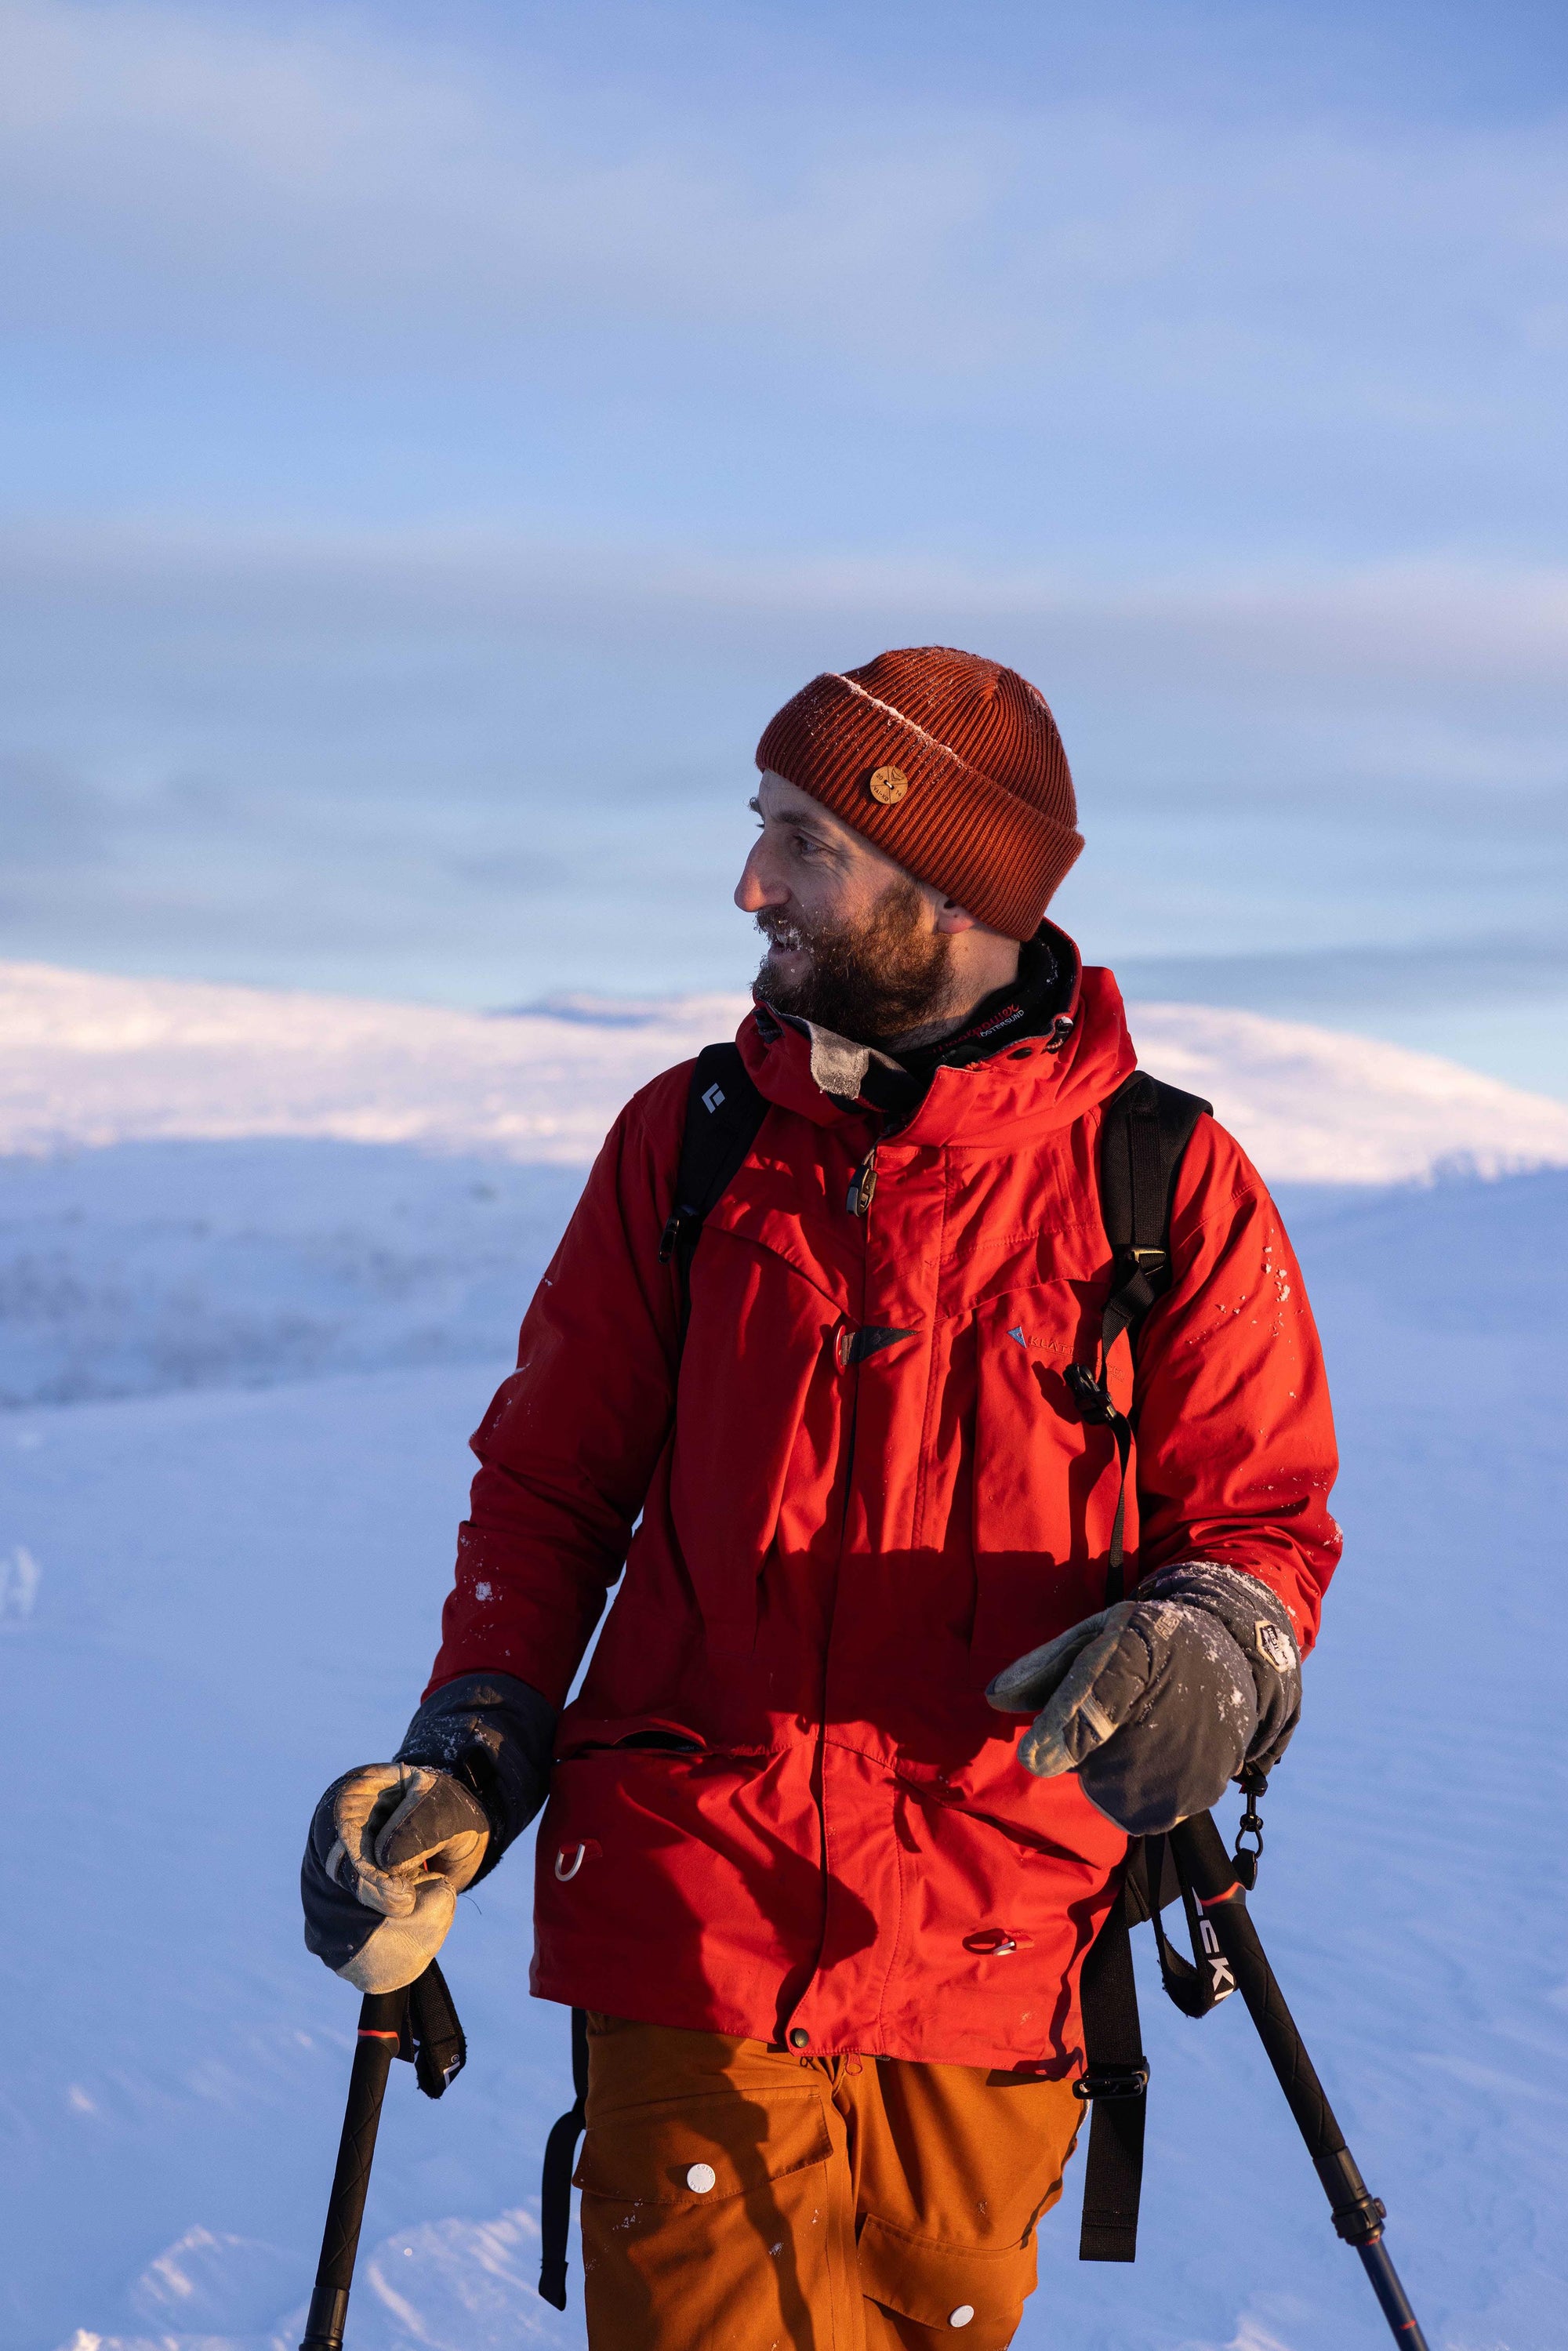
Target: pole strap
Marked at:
432, 2037
554, 2180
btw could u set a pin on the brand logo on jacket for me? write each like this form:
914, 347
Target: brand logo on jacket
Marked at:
712, 1099
1047, 1346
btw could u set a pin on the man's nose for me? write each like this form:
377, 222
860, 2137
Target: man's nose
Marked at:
757, 887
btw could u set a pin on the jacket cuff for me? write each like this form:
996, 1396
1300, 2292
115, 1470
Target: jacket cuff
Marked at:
494, 1734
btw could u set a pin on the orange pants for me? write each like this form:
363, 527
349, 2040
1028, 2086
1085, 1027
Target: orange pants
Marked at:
739, 2197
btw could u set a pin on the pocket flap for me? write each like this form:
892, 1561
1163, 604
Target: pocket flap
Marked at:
664, 2153
936, 2284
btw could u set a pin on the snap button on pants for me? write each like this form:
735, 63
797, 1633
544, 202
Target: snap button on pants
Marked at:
740, 2198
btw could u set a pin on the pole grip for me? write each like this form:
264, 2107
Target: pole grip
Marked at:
381, 2016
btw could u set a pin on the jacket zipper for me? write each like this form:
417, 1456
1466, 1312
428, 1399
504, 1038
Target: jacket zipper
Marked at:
863, 1187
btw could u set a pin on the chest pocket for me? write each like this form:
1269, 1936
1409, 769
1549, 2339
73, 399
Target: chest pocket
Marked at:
755, 1406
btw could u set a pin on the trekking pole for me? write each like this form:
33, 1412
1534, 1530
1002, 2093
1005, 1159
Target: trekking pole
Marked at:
418, 2022
1358, 2215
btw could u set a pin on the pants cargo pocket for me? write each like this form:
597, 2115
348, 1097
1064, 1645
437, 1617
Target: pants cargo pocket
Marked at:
969, 2296
708, 2225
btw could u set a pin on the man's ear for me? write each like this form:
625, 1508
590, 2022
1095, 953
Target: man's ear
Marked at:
952, 918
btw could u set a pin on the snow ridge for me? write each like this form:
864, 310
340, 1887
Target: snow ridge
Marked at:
88, 1060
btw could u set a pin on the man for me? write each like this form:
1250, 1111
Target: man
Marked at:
824, 1909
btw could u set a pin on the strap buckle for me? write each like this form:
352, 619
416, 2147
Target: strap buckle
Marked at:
1113, 2082
670, 1239
1090, 1394
1254, 1785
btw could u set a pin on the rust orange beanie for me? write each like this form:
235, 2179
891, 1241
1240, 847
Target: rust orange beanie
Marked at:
952, 765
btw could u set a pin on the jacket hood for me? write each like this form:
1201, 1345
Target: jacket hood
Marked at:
1029, 1087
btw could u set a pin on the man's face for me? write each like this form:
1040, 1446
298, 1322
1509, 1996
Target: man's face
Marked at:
851, 939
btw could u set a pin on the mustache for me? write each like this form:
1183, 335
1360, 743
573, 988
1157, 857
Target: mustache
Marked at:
782, 930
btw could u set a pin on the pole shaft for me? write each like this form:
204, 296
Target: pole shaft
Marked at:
1357, 2215
1403, 2323
381, 2023
1213, 1880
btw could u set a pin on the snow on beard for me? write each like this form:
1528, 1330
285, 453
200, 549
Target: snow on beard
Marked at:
868, 981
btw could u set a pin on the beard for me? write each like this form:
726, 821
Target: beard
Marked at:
872, 982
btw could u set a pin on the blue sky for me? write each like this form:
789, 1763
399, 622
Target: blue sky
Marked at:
436, 439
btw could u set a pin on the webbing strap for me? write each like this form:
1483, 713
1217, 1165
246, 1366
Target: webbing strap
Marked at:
555, 2183
1146, 1129
1115, 2082
432, 2037
1197, 1985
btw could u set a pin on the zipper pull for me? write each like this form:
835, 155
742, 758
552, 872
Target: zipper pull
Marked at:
862, 1185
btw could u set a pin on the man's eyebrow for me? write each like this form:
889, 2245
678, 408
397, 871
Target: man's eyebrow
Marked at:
802, 818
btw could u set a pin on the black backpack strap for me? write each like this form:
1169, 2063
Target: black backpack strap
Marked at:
555, 2186
724, 1112
1146, 1128
1114, 2080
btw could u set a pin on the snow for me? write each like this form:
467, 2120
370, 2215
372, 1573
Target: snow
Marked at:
87, 1059
1313, 1106
242, 1346
95, 1061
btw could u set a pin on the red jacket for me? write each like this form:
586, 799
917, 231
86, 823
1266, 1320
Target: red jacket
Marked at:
780, 1802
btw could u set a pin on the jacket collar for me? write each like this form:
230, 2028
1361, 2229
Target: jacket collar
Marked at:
1007, 1077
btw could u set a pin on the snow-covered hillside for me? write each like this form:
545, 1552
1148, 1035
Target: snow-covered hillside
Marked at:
261, 1259
89, 1060
218, 1185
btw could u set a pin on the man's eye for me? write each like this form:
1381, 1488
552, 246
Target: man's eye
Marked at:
805, 845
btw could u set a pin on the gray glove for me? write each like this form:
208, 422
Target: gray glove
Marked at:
1160, 1700
391, 1845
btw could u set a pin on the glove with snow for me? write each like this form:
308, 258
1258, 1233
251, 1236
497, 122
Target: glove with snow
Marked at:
1160, 1700
391, 1845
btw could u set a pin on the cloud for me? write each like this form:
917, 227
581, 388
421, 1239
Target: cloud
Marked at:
406, 752
50, 820
1450, 676
1347, 983
1227, 409
242, 163
238, 174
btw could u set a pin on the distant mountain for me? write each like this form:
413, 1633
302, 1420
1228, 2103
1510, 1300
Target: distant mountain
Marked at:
89, 1060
